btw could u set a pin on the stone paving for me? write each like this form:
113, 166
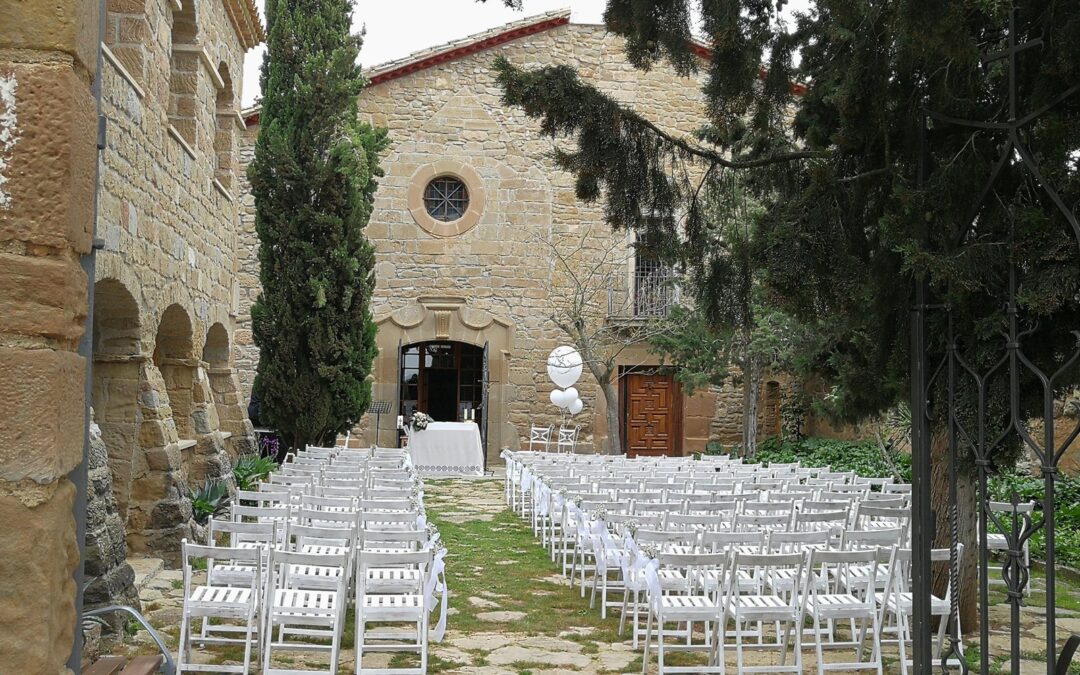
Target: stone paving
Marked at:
510, 611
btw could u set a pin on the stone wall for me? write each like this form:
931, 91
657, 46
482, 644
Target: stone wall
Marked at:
110, 579
48, 56
165, 396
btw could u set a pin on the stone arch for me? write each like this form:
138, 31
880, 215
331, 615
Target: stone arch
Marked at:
174, 356
231, 418
116, 377
224, 130
184, 65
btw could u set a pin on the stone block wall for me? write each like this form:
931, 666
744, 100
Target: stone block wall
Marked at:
166, 275
47, 165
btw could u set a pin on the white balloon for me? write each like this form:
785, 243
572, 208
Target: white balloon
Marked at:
570, 395
556, 397
564, 366
576, 406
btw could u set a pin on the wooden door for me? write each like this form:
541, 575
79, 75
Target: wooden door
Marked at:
651, 414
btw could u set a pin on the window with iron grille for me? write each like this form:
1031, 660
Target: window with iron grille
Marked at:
654, 285
446, 198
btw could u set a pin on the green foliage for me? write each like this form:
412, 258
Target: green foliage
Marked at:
863, 457
313, 179
251, 469
208, 500
845, 225
1067, 514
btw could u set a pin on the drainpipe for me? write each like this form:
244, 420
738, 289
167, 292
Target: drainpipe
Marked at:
78, 475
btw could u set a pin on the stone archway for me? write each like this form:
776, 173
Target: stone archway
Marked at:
437, 318
190, 401
117, 355
235, 427
114, 445
159, 511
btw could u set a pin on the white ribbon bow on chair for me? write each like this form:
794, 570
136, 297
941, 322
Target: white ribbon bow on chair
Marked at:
438, 568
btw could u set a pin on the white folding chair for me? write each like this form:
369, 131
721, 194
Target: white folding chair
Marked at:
896, 602
229, 603
305, 611
829, 603
384, 605
759, 605
694, 604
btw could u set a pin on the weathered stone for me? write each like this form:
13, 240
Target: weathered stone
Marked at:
37, 561
41, 395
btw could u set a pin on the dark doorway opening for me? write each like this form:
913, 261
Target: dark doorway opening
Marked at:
442, 379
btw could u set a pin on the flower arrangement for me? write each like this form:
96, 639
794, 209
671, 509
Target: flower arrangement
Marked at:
420, 421
632, 526
650, 551
600, 513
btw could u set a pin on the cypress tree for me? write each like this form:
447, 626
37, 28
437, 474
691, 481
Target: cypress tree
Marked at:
313, 179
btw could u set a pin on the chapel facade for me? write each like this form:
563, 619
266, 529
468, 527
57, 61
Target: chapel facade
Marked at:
469, 223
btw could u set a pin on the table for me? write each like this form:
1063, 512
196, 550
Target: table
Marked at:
447, 449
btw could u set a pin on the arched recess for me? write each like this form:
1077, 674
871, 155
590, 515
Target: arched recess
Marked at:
224, 129
184, 73
174, 356
232, 419
190, 400
116, 372
771, 418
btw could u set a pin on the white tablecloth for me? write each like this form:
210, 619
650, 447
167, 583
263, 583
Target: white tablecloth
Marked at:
447, 449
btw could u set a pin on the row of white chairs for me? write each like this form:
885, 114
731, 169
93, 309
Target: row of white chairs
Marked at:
282, 569
746, 548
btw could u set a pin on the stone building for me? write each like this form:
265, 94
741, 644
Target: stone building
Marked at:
164, 392
466, 224
161, 246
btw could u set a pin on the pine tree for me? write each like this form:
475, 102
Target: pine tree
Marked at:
848, 225
313, 178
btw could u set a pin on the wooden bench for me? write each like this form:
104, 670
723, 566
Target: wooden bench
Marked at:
116, 665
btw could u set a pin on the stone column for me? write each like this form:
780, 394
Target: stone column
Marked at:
231, 413
210, 459
48, 160
159, 511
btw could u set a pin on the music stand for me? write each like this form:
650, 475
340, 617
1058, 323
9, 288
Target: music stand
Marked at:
380, 408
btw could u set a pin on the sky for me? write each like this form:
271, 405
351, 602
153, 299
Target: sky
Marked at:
397, 28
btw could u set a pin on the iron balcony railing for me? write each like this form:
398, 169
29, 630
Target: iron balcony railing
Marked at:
649, 291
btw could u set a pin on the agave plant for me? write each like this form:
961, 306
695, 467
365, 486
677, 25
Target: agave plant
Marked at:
209, 499
251, 469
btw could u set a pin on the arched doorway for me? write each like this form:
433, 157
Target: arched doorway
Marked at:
442, 378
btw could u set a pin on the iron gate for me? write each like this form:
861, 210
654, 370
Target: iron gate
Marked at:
977, 430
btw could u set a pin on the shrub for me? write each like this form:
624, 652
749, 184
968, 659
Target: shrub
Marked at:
865, 458
251, 469
209, 499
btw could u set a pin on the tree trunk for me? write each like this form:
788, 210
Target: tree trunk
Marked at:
611, 405
967, 526
751, 388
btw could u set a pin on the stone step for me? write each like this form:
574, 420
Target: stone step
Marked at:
145, 570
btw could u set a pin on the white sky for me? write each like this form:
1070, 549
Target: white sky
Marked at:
397, 28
